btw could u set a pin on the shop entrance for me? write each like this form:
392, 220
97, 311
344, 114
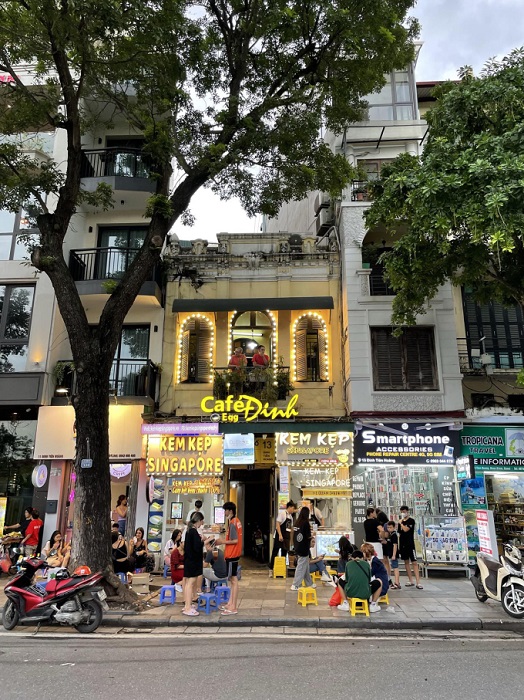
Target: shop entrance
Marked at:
255, 513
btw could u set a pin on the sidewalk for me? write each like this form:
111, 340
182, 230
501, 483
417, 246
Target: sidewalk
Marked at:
444, 604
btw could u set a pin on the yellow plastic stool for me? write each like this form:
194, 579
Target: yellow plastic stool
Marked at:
358, 606
316, 576
331, 572
279, 568
307, 595
384, 599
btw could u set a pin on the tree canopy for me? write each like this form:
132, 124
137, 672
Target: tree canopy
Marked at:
457, 213
230, 94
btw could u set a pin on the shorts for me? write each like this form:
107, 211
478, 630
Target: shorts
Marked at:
408, 554
232, 567
192, 570
394, 563
375, 585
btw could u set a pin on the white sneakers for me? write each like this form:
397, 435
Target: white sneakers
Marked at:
296, 588
374, 607
344, 606
178, 588
328, 579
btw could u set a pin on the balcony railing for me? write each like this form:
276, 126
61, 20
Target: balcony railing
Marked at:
359, 191
500, 358
127, 378
115, 162
267, 384
378, 285
105, 264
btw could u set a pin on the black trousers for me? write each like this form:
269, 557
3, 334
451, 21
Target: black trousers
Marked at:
277, 544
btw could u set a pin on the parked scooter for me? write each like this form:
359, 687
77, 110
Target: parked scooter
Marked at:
501, 580
10, 555
77, 600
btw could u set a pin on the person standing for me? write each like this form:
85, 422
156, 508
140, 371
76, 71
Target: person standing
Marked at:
393, 553
406, 530
232, 554
315, 515
197, 509
22, 526
238, 360
32, 534
283, 529
302, 540
260, 359
193, 563
121, 514
371, 526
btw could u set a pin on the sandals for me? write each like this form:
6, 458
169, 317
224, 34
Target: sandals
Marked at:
229, 612
408, 585
190, 613
420, 587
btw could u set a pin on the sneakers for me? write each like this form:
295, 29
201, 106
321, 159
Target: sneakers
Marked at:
331, 583
344, 606
313, 585
178, 588
325, 577
294, 588
374, 607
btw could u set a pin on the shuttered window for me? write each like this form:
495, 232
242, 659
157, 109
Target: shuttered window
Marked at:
406, 363
310, 351
502, 329
195, 358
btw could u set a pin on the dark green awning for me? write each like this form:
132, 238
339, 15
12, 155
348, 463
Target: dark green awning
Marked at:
271, 304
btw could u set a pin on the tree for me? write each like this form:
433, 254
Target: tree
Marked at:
457, 213
233, 92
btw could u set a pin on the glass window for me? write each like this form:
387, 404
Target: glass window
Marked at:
131, 361
7, 221
16, 305
5, 247
381, 114
404, 112
402, 90
118, 247
384, 96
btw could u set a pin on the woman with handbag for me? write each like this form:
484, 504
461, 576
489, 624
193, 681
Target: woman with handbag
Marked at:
302, 539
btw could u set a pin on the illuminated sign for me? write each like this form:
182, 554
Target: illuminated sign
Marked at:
204, 485
326, 493
320, 447
39, 476
179, 429
250, 408
411, 443
184, 455
6, 78
321, 478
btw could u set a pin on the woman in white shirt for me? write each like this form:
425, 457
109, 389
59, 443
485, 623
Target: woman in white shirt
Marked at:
176, 536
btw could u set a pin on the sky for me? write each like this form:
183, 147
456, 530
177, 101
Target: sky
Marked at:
454, 33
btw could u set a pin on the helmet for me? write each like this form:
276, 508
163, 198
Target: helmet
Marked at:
62, 574
82, 571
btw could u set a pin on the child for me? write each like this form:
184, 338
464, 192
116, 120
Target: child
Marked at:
393, 552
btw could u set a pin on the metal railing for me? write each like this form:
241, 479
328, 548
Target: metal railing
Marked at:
378, 285
499, 358
105, 264
115, 162
359, 191
127, 378
267, 384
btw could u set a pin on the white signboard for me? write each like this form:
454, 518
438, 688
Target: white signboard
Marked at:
239, 449
487, 534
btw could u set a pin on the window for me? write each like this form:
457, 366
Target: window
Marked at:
311, 359
406, 363
16, 304
394, 102
118, 246
196, 348
131, 358
11, 248
502, 329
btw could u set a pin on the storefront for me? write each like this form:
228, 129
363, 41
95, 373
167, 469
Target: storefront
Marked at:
495, 480
17, 487
410, 463
55, 447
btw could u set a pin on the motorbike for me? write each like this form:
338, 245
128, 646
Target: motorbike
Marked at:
501, 580
10, 555
77, 600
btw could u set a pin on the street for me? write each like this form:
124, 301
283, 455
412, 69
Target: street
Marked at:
268, 664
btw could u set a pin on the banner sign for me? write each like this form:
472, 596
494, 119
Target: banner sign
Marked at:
317, 447
406, 443
179, 428
494, 448
239, 449
486, 532
184, 455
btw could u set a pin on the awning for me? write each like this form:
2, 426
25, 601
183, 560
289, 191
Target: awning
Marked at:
271, 304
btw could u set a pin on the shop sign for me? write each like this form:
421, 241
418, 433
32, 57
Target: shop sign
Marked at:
318, 447
358, 499
179, 429
486, 532
39, 476
197, 486
401, 443
239, 449
185, 455
265, 450
336, 477
249, 408
326, 493
119, 471
494, 448
465, 467
284, 478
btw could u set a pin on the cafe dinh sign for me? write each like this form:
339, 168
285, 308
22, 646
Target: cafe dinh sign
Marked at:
184, 455
232, 408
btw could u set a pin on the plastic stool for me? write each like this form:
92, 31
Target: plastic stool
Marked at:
222, 593
331, 572
279, 567
205, 600
358, 606
307, 595
215, 584
168, 595
384, 599
316, 576
122, 576
166, 570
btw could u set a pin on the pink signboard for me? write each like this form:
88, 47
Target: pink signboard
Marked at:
486, 532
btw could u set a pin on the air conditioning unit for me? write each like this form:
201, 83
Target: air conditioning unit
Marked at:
322, 201
324, 221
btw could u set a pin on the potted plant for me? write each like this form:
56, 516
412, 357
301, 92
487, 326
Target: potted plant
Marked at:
283, 380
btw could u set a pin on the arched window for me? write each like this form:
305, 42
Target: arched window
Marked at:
195, 350
311, 349
252, 328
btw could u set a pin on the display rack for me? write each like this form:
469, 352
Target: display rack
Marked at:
444, 543
509, 521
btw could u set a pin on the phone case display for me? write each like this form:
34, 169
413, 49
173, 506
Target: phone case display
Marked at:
444, 540
389, 488
326, 542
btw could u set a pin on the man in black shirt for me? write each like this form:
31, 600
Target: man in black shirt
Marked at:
406, 530
371, 524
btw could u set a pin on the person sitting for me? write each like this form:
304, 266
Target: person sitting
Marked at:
122, 564
138, 550
317, 564
215, 567
57, 551
177, 566
345, 550
358, 583
378, 570
172, 542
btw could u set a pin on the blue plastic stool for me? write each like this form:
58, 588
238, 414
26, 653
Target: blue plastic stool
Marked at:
166, 570
122, 576
223, 594
205, 600
222, 582
168, 595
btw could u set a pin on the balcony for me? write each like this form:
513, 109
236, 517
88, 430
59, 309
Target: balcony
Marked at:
92, 267
271, 384
502, 359
124, 169
378, 287
359, 191
129, 381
